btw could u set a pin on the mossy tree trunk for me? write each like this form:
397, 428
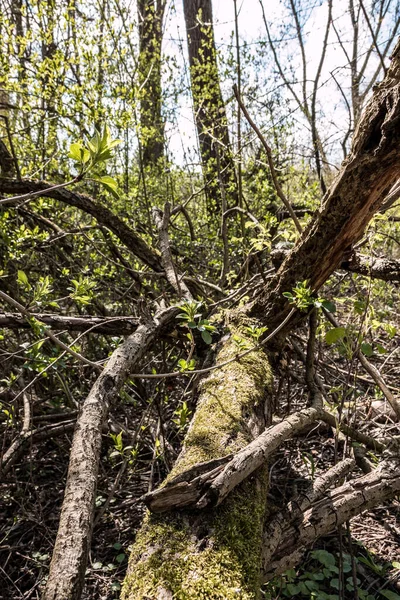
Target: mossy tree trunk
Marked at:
209, 106
213, 554
151, 17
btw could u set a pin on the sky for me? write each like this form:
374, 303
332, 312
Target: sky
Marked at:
252, 31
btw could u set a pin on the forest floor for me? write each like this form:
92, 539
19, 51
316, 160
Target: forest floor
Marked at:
31, 495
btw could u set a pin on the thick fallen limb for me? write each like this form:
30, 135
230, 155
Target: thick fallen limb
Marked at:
211, 488
69, 558
337, 507
377, 268
274, 530
97, 210
107, 326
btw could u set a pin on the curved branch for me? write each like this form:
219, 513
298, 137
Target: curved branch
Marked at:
102, 214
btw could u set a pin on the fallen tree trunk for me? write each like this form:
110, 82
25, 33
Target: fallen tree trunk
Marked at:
357, 193
68, 565
215, 554
191, 555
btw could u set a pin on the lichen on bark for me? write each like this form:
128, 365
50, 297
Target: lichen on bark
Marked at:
212, 554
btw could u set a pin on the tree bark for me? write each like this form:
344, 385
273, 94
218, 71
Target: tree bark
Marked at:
358, 192
208, 104
215, 554
68, 564
150, 15
110, 326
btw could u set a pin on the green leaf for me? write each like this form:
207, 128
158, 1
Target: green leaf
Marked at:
335, 334
109, 183
75, 151
334, 583
120, 558
390, 595
206, 337
324, 557
366, 349
329, 306
23, 279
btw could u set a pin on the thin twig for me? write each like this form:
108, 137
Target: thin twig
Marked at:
275, 179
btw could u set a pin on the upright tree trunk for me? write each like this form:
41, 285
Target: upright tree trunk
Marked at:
209, 107
150, 15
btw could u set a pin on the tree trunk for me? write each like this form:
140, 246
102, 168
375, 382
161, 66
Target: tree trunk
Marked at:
214, 554
150, 15
208, 104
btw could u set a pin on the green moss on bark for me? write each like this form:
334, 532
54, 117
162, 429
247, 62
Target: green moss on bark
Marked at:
212, 554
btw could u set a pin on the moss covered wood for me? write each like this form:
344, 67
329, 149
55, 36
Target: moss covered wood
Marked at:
212, 554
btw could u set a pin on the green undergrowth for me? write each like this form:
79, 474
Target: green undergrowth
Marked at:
328, 576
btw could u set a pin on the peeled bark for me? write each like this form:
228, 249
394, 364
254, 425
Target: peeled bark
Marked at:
358, 192
326, 515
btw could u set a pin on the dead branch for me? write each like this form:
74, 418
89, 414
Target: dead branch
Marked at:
88, 205
162, 219
209, 488
297, 506
70, 553
337, 507
108, 326
377, 268
270, 159
27, 437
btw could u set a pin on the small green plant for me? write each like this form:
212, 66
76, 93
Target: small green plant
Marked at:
121, 451
302, 298
191, 318
255, 332
182, 415
91, 157
186, 365
318, 579
82, 290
